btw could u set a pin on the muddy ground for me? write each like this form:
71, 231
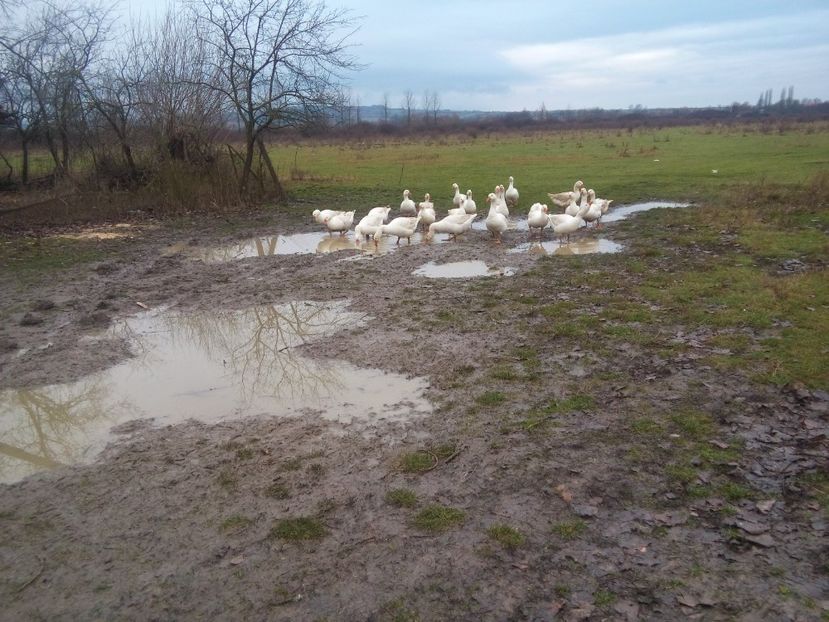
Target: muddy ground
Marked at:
557, 446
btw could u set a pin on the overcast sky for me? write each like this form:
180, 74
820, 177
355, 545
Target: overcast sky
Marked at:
488, 55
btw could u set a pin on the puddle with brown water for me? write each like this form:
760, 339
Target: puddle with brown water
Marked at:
207, 366
461, 270
106, 232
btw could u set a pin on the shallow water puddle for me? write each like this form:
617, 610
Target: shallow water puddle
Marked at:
110, 232
266, 246
208, 367
313, 243
623, 211
577, 247
460, 270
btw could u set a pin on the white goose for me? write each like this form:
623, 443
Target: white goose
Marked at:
496, 222
604, 204
500, 203
564, 224
537, 218
368, 224
511, 194
469, 205
573, 207
426, 211
453, 226
407, 206
402, 227
593, 213
321, 215
380, 211
562, 199
459, 198
340, 221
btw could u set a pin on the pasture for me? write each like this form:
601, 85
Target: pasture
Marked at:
643, 163
639, 435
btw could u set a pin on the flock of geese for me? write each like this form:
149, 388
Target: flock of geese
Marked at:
581, 206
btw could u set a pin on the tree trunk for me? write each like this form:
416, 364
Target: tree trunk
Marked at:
278, 189
64, 144
24, 165
130, 160
247, 165
53, 150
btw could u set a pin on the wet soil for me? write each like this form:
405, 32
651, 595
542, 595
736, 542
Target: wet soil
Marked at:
182, 520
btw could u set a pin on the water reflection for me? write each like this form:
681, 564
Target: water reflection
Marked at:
38, 426
585, 246
316, 242
205, 366
461, 270
623, 211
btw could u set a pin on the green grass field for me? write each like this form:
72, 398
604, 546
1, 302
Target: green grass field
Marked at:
619, 164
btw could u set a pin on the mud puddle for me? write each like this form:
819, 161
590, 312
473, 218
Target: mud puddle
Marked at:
461, 270
513, 224
579, 247
108, 232
267, 246
208, 367
623, 211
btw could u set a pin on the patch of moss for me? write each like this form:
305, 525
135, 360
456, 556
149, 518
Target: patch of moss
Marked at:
417, 462
491, 398
506, 536
437, 518
569, 530
401, 498
235, 523
298, 529
277, 491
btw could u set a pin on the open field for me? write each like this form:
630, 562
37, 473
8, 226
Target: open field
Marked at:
618, 163
640, 435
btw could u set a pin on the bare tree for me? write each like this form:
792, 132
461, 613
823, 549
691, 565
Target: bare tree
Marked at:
385, 107
113, 92
54, 47
408, 105
180, 100
19, 106
277, 62
435, 105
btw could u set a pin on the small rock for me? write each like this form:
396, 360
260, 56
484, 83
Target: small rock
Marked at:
30, 319
752, 527
686, 599
765, 506
96, 318
43, 305
764, 540
627, 610
585, 511
7, 345
793, 265
564, 493
106, 268
582, 611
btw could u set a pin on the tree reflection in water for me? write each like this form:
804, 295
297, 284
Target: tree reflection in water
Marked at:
257, 346
42, 428
203, 365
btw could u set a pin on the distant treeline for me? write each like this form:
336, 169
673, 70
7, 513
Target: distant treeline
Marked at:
367, 122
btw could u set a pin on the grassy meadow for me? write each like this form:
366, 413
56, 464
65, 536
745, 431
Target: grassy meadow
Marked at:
674, 163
